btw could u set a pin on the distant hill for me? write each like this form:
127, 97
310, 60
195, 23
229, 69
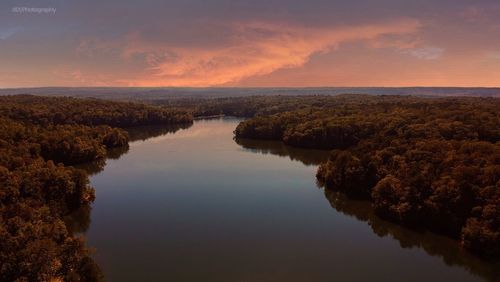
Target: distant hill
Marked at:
149, 93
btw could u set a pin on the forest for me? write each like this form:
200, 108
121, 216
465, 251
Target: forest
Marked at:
261, 105
426, 163
41, 139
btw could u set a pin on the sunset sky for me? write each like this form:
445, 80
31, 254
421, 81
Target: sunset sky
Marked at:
250, 43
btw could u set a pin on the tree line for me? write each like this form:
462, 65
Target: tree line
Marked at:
40, 138
425, 163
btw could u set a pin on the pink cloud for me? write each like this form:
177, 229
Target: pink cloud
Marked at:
426, 53
254, 49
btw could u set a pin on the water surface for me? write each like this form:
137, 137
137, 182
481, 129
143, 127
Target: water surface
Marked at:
192, 204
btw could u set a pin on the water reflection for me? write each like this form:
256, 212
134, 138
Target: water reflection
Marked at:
97, 166
142, 133
139, 133
78, 222
305, 156
435, 245
197, 206
449, 250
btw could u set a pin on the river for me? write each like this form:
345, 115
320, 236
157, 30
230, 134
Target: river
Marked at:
192, 204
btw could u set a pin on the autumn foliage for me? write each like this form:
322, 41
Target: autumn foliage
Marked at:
426, 163
39, 138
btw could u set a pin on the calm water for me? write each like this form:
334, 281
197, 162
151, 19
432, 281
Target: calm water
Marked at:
195, 205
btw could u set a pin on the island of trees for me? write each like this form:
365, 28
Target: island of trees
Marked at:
425, 163
40, 138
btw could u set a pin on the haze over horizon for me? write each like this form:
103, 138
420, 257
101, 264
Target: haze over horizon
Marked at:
274, 43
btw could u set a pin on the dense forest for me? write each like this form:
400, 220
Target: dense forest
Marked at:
439, 246
40, 138
424, 163
67, 110
262, 105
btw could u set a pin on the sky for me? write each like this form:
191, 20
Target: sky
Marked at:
251, 43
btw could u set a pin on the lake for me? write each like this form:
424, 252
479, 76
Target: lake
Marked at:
192, 204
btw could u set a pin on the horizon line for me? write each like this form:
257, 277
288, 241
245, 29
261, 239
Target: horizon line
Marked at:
244, 87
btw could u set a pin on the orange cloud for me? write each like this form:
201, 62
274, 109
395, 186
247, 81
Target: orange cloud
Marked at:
255, 49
